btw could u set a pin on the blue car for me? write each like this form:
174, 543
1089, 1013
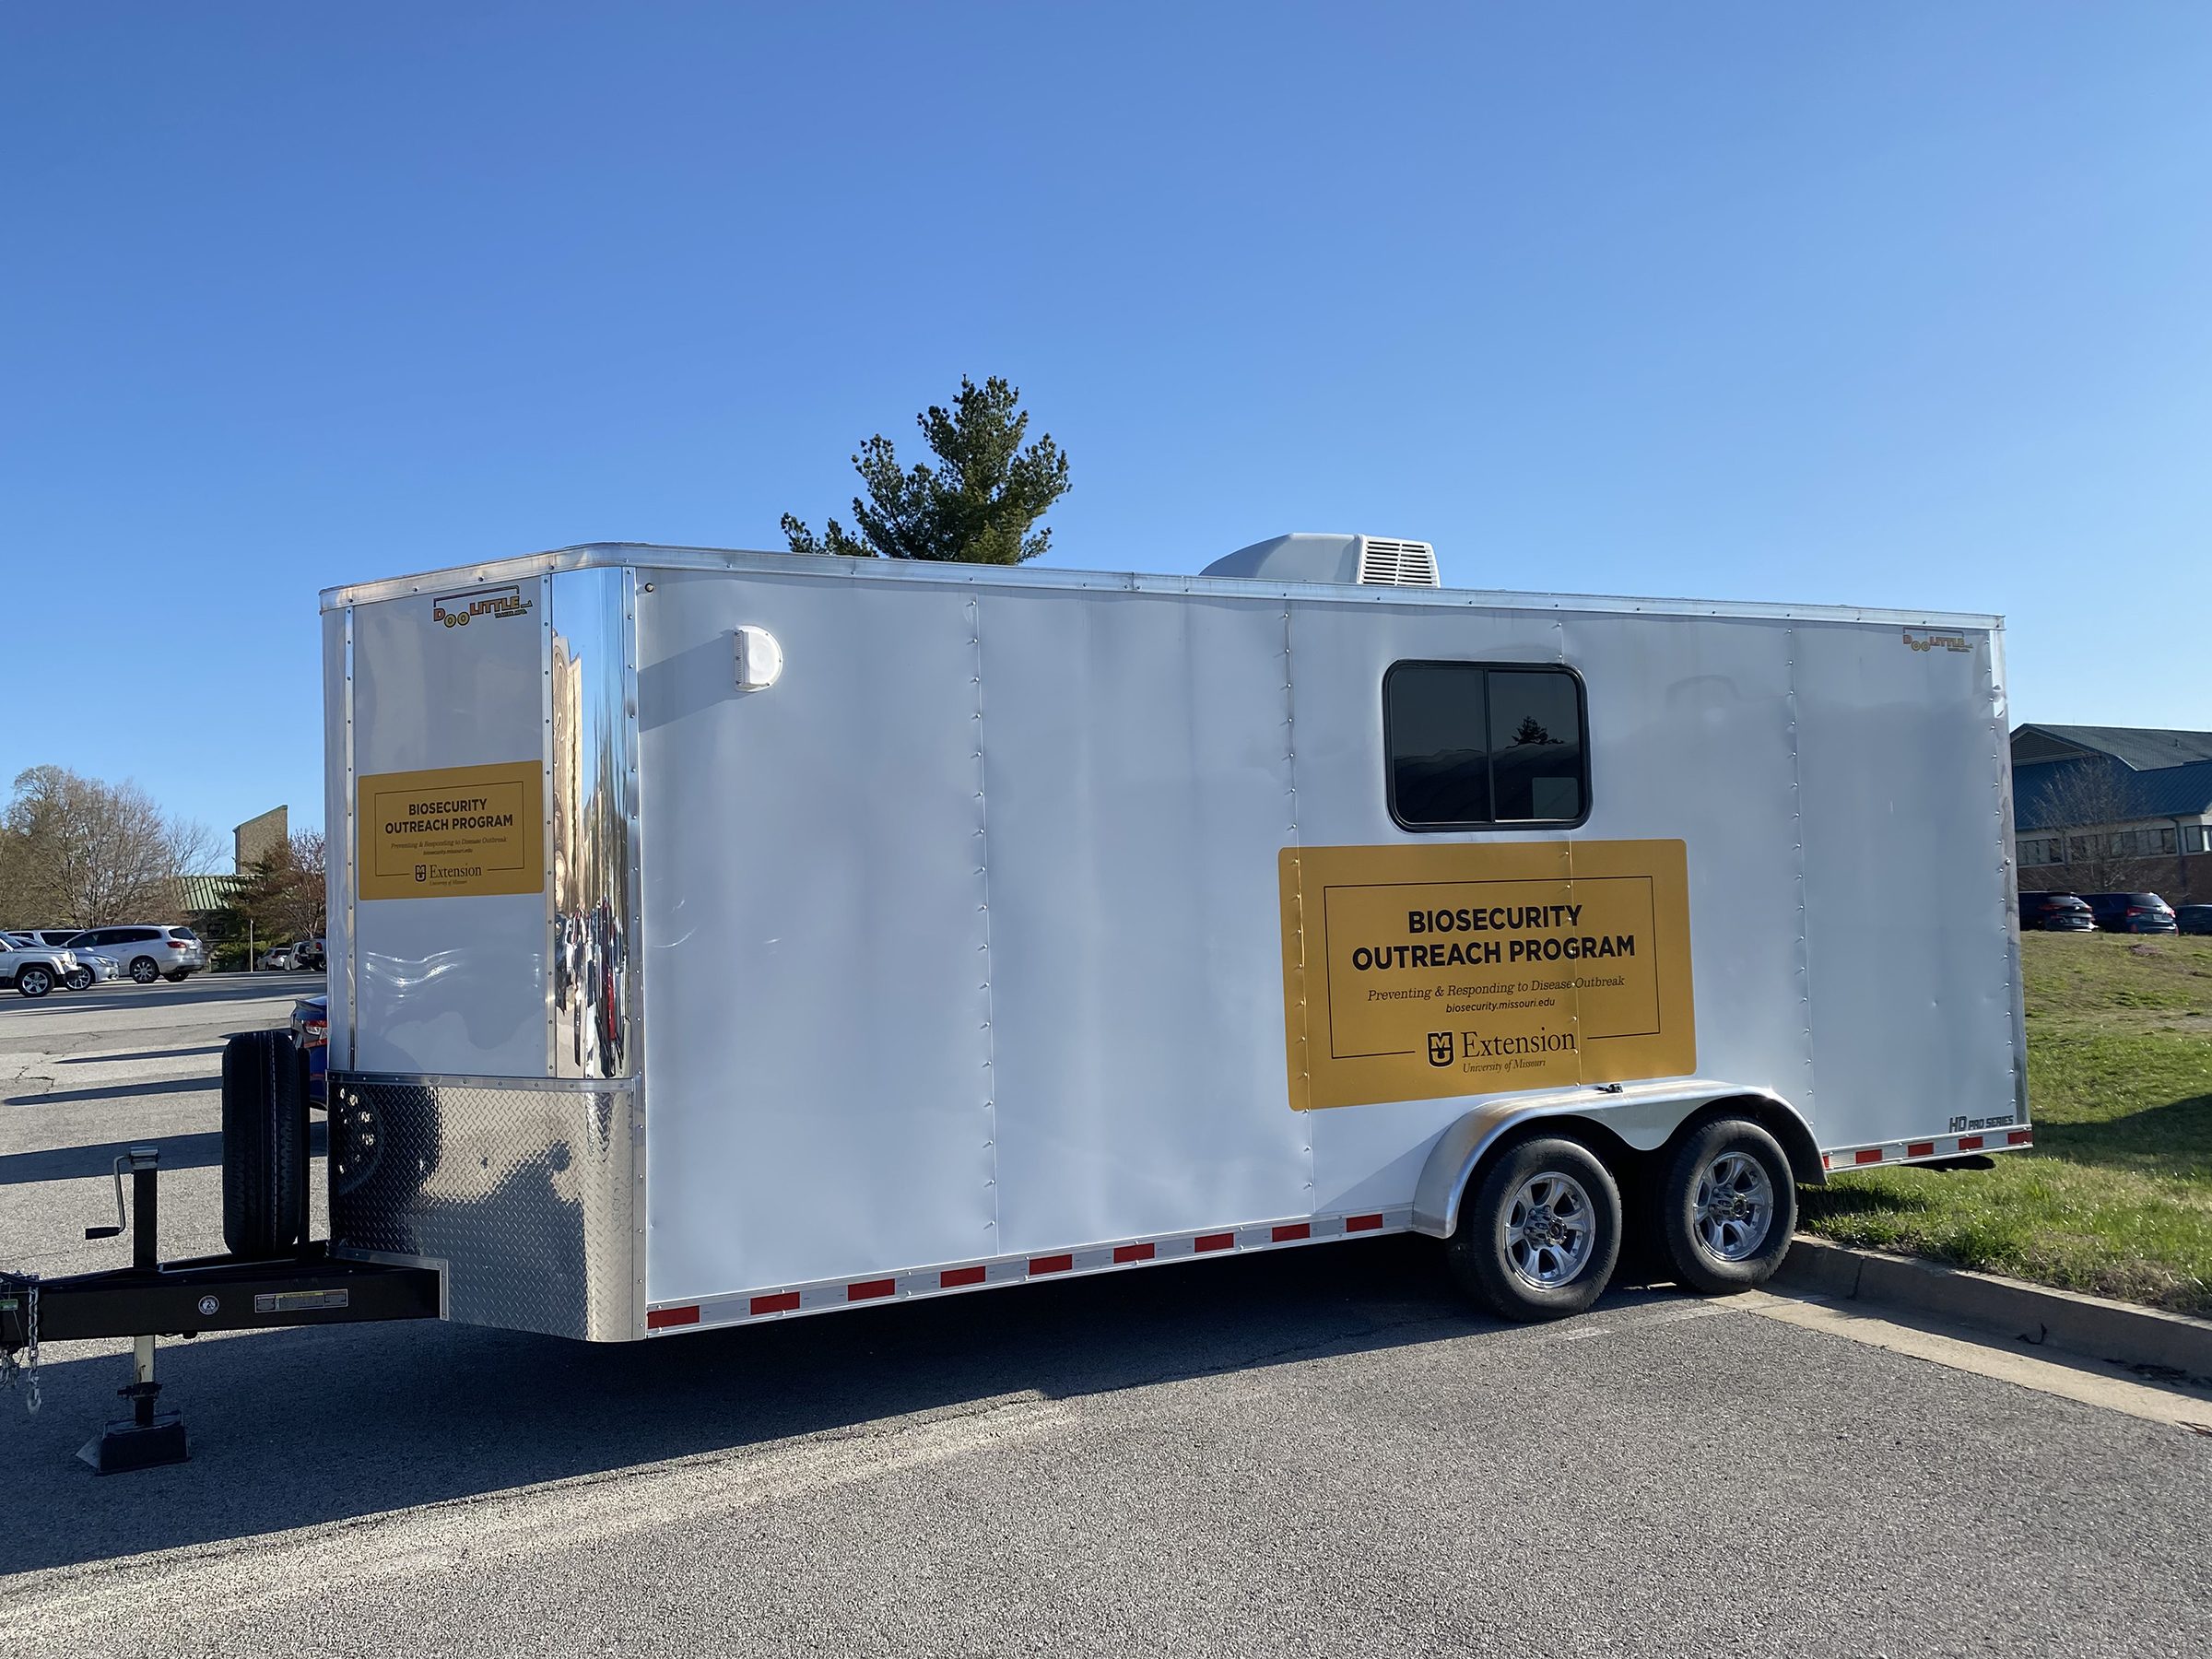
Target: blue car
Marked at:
2193, 918
310, 1036
2130, 913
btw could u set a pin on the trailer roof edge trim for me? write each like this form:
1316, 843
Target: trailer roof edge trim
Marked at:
829, 567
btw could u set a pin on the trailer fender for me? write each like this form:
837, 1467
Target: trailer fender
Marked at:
1642, 1117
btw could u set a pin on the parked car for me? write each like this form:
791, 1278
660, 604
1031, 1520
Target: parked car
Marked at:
34, 970
2193, 918
276, 960
47, 935
2130, 913
2055, 913
92, 969
147, 953
307, 956
89, 970
310, 1036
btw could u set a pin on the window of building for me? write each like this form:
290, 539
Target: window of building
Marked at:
2194, 837
2043, 850
1477, 744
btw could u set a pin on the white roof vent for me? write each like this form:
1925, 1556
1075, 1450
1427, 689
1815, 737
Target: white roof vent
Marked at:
1371, 559
1397, 563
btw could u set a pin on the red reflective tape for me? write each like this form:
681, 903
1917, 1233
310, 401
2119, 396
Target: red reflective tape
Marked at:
1970, 1143
1059, 1264
782, 1303
660, 1319
869, 1290
1869, 1155
1920, 1149
1133, 1253
954, 1276
2019, 1137
1297, 1229
1361, 1223
1213, 1240
1824, 1163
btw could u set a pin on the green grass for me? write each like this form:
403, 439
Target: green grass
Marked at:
2116, 1198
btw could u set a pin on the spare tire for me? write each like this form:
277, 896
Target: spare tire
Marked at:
264, 1145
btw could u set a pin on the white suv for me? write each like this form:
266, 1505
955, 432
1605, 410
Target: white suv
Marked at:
147, 954
34, 970
91, 969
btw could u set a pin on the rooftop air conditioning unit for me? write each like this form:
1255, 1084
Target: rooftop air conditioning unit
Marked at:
1396, 563
1372, 561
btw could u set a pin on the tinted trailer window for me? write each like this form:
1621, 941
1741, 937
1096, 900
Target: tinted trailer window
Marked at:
1470, 743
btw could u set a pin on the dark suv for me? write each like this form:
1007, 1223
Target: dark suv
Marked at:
2195, 918
2055, 913
2131, 913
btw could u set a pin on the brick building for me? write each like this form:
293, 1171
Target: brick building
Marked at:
2112, 808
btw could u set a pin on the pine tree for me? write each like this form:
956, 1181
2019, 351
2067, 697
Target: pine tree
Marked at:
978, 503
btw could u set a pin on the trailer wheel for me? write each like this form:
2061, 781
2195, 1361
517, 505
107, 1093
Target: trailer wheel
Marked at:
1728, 1208
264, 1145
1538, 1237
34, 981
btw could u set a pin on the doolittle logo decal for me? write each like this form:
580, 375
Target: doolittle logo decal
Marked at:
1422, 971
456, 611
1928, 640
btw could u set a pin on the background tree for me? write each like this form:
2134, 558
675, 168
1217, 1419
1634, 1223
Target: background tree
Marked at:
2087, 799
977, 504
77, 853
283, 894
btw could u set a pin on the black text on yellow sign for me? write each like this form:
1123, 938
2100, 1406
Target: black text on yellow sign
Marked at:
461, 831
1418, 972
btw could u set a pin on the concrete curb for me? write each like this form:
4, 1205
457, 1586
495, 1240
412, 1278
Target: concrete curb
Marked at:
2173, 1344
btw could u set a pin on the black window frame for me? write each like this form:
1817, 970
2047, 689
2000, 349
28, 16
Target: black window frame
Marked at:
1517, 825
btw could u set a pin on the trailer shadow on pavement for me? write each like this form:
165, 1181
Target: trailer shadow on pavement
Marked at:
299, 1428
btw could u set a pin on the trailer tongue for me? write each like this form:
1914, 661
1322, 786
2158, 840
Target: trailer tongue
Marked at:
307, 1285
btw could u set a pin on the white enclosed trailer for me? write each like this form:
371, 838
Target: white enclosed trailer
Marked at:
719, 936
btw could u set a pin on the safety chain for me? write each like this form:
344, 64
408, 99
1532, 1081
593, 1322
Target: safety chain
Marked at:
28, 1369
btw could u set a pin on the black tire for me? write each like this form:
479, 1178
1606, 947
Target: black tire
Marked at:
1490, 1252
1728, 1207
176, 976
264, 1145
78, 979
145, 970
33, 981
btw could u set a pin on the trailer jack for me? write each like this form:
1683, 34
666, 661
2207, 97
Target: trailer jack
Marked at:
150, 1298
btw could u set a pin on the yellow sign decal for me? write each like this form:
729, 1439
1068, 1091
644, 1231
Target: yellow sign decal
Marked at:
1420, 972
462, 831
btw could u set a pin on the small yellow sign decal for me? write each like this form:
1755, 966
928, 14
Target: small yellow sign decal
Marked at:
1418, 972
462, 831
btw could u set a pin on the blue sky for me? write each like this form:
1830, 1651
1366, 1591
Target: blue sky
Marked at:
1898, 305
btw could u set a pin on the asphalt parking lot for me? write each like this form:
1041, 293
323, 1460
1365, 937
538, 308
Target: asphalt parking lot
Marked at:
1310, 1451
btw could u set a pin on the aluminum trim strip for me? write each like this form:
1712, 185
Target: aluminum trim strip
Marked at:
545, 798
1071, 1261
351, 837
634, 986
614, 554
460, 1080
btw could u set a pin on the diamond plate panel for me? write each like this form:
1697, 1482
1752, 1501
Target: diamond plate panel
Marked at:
524, 1191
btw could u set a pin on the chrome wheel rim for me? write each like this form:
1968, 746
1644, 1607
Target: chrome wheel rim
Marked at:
1548, 1231
1734, 1206
143, 971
